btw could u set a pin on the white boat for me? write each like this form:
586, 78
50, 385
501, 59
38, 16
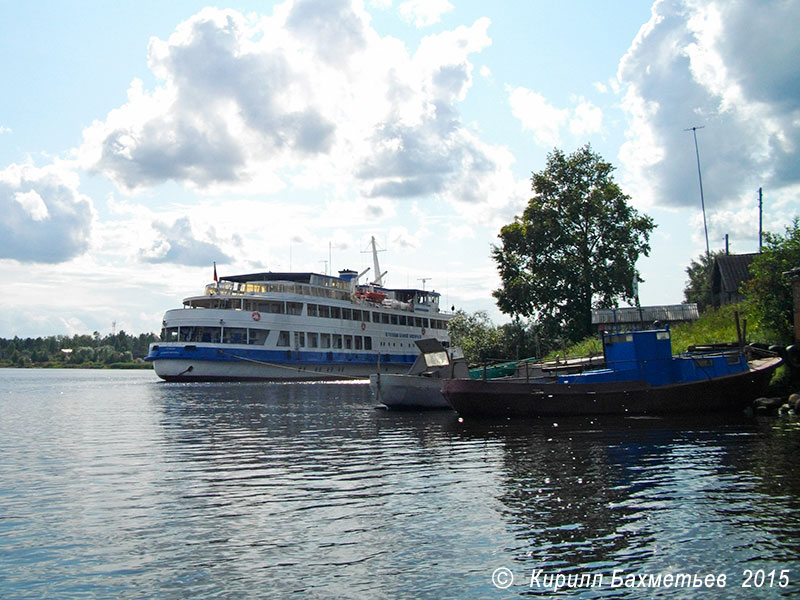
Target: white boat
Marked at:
421, 387
296, 326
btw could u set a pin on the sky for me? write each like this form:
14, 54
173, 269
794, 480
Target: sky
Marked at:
143, 141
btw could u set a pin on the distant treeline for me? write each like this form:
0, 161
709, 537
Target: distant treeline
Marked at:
119, 350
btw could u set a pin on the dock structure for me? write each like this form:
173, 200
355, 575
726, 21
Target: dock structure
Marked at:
638, 317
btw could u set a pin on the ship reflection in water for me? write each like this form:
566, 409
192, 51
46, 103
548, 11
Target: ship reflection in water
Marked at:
114, 485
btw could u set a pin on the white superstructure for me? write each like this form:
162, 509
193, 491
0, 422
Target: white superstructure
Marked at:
296, 326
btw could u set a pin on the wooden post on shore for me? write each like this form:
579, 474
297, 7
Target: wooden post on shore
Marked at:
796, 303
794, 274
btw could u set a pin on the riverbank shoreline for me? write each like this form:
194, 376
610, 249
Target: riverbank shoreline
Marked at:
116, 365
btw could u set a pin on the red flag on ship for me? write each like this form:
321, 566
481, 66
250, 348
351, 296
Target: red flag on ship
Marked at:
215, 272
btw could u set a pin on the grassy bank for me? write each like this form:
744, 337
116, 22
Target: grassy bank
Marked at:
714, 326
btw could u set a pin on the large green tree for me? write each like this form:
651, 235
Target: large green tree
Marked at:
768, 294
574, 247
700, 272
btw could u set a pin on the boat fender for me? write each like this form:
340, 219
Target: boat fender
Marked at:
793, 356
779, 350
256, 315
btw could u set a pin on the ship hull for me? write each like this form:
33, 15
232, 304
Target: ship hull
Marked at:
521, 399
408, 391
181, 362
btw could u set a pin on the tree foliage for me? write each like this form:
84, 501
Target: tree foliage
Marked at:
77, 350
768, 294
700, 272
574, 247
477, 337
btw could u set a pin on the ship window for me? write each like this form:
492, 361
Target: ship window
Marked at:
348, 342
367, 343
299, 339
336, 312
313, 340
294, 308
376, 317
662, 335
171, 335
311, 310
337, 341
732, 358
619, 338
257, 337
424, 322
703, 363
358, 342
325, 340
324, 311
276, 307
347, 314
402, 319
206, 334
384, 318
234, 335
283, 338
357, 315
394, 319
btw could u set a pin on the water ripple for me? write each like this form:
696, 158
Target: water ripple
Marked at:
115, 485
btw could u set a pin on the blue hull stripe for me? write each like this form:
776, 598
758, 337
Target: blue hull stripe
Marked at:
293, 357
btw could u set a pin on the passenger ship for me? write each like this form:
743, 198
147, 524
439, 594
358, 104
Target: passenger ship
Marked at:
296, 326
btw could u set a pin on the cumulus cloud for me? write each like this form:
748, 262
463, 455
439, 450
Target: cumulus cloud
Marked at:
424, 12
729, 66
311, 92
177, 243
45, 218
587, 119
546, 122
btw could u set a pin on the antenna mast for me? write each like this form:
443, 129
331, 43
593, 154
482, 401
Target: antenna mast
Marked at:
700, 176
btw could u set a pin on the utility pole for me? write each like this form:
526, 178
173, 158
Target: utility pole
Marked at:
700, 176
760, 219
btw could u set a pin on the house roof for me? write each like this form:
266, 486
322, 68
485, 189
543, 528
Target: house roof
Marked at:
730, 271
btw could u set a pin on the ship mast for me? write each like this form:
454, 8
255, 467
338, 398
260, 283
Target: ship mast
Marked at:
376, 267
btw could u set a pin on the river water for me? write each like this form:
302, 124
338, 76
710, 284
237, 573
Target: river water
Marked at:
115, 485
